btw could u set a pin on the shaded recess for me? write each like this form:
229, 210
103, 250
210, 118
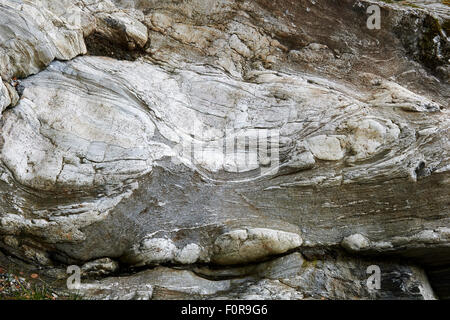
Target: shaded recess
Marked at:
99, 45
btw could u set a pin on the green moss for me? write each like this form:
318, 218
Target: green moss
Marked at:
310, 264
427, 46
446, 27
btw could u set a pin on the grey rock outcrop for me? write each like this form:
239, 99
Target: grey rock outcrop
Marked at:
244, 145
288, 277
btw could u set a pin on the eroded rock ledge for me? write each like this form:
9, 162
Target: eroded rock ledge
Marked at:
102, 103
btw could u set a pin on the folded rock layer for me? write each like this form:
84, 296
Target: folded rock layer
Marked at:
256, 149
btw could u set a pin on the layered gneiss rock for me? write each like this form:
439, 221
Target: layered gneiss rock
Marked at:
128, 160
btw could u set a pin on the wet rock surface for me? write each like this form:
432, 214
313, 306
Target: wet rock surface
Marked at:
227, 149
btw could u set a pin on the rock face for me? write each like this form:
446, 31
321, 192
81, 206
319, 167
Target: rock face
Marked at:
256, 149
